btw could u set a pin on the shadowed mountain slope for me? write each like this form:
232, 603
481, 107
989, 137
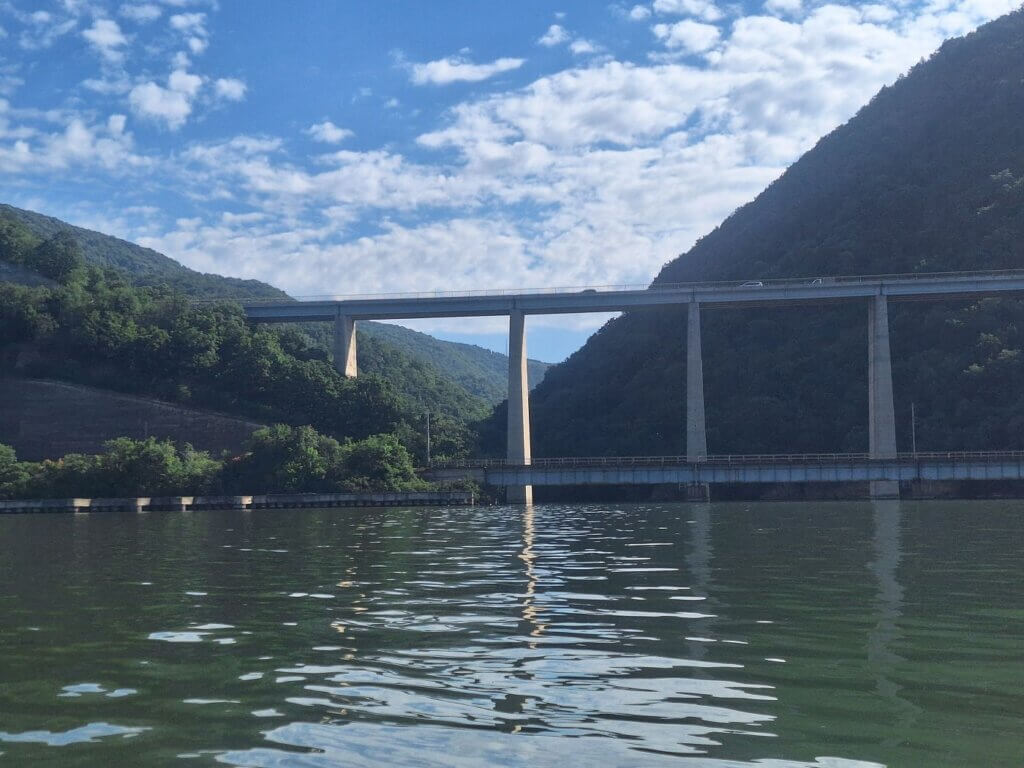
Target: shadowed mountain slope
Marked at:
928, 177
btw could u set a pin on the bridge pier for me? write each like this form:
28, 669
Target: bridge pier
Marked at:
881, 410
345, 346
519, 451
696, 427
696, 436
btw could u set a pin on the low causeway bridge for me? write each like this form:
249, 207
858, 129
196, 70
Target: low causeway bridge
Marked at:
880, 466
765, 468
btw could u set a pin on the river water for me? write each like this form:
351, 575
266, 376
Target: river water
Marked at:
778, 635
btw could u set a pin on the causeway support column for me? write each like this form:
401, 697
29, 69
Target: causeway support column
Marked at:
345, 346
518, 406
696, 435
881, 410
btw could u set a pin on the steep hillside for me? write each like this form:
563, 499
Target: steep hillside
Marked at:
482, 374
928, 177
48, 419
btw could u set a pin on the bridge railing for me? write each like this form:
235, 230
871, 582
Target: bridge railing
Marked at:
713, 285
727, 459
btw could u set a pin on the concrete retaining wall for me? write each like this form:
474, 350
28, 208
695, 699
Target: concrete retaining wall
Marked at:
276, 501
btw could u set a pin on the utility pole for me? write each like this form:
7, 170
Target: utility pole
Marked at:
428, 438
913, 430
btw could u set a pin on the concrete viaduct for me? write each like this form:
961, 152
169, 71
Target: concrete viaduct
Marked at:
874, 292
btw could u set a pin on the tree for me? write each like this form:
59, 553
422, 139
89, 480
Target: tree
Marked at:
59, 258
15, 242
378, 463
12, 473
283, 459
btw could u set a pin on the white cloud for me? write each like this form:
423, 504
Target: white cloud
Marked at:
554, 36
10, 80
172, 104
192, 27
690, 36
783, 7
42, 30
189, 23
452, 70
142, 13
702, 9
116, 123
581, 47
639, 12
184, 82
153, 101
106, 37
871, 13
116, 85
230, 88
328, 132
77, 144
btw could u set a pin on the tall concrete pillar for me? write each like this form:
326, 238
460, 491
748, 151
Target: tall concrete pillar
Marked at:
696, 434
881, 410
696, 437
345, 346
518, 405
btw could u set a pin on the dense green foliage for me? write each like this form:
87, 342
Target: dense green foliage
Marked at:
107, 333
928, 177
298, 459
94, 327
278, 459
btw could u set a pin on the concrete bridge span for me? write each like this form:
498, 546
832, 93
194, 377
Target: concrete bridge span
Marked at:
874, 291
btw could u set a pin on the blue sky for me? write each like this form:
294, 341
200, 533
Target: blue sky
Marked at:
333, 147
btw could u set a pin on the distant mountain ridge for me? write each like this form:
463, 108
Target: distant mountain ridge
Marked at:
144, 264
928, 177
483, 374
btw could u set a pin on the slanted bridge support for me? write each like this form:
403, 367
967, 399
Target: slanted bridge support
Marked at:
345, 346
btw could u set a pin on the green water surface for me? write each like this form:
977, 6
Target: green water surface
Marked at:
839, 635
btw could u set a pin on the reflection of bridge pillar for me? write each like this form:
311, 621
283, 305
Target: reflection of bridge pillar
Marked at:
698, 557
881, 411
345, 346
518, 406
696, 436
882, 659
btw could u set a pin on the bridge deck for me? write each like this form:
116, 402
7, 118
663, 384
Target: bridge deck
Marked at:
616, 299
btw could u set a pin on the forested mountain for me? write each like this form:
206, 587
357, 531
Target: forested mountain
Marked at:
430, 371
91, 325
928, 177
